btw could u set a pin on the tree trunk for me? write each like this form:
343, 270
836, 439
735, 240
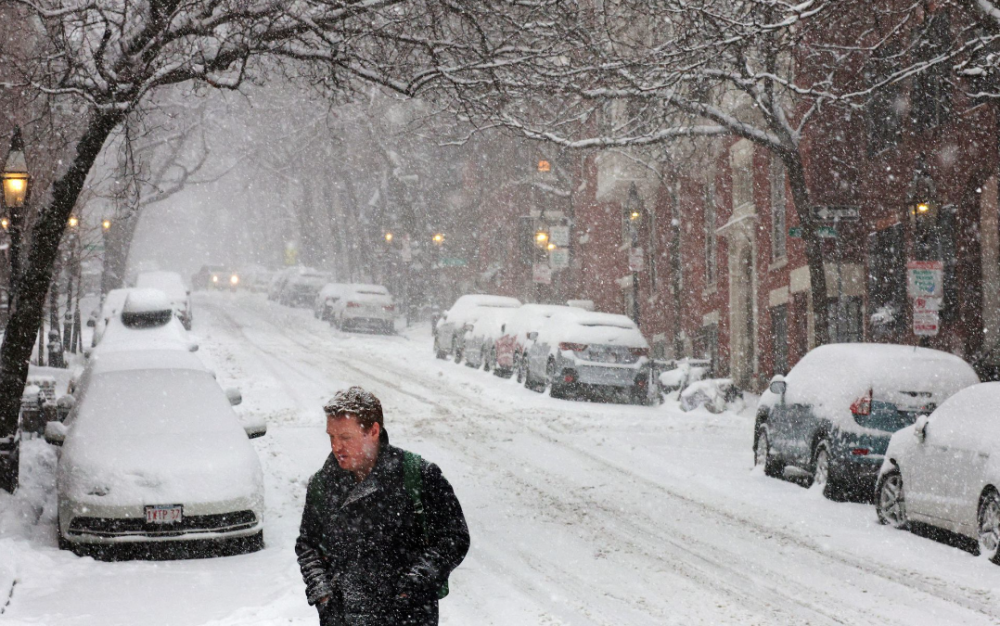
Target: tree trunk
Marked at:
814, 247
33, 286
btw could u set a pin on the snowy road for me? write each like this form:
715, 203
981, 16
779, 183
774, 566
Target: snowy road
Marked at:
580, 514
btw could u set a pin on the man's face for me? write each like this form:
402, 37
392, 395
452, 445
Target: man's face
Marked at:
355, 448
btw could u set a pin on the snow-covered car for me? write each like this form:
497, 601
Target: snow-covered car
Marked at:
302, 286
327, 297
171, 284
944, 471
832, 416
480, 339
365, 307
152, 452
449, 332
146, 322
514, 342
578, 350
110, 308
683, 372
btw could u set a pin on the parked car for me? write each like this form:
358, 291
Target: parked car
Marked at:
944, 471
153, 453
831, 417
171, 284
480, 340
449, 333
146, 321
513, 344
302, 286
365, 307
328, 296
577, 351
215, 277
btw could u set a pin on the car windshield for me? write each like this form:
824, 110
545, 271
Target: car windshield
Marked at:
134, 403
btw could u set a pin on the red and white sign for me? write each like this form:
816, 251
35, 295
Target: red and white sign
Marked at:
164, 514
635, 260
926, 316
542, 274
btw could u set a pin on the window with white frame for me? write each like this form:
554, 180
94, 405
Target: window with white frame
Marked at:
779, 222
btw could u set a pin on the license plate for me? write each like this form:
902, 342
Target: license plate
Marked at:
164, 514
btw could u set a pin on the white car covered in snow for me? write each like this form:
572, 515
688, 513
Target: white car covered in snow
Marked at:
576, 351
514, 343
172, 285
365, 307
480, 339
146, 321
449, 333
152, 452
944, 470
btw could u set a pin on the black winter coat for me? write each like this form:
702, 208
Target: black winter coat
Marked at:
362, 545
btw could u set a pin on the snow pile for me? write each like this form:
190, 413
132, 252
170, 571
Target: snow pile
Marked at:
715, 394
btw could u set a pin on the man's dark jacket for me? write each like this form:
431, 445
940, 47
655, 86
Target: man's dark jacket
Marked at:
362, 544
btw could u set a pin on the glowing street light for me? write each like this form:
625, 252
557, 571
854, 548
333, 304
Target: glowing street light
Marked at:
16, 180
388, 237
541, 237
4, 222
438, 239
106, 225
74, 221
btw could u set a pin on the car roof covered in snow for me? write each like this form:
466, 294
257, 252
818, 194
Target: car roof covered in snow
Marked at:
831, 377
146, 301
376, 290
468, 305
579, 326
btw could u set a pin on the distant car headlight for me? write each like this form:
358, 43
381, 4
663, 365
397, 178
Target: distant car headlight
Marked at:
234, 279
215, 278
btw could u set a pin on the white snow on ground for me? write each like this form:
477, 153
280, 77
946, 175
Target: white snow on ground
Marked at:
580, 513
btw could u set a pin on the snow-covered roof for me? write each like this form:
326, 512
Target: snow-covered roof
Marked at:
141, 301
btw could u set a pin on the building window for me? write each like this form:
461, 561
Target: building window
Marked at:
884, 108
887, 282
779, 338
711, 266
779, 228
930, 98
845, 318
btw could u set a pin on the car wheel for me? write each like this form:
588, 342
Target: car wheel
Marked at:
823, 471
486, 361
457, 352
762, 455
519, 368
989, 526
890, 501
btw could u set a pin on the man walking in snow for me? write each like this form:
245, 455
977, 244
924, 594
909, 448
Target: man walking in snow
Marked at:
382, 528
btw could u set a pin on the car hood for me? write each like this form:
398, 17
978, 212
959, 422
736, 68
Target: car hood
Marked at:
165, 469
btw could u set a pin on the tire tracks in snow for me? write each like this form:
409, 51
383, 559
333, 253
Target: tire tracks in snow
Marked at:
698, 561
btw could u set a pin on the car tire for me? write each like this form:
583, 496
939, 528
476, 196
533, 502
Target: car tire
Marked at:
822, 471
989, 525
519, 368
456, 352
762, 455
890, 500
438, 352
486, 361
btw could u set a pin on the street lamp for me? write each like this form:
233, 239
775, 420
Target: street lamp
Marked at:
16, 192
438, 239
74, 221
106, 225
541, 238
388, 237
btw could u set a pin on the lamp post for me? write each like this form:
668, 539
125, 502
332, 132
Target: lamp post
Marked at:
633, 212
16, 191
16, 194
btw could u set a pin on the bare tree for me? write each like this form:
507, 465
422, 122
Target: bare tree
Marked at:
85, 66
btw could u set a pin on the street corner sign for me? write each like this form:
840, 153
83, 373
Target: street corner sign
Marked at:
542, 274
635, 260
559, 235
925, 279
559, 258
926, 316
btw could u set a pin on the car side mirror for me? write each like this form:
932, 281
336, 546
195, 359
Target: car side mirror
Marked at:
55, 433
778, 386
920, 428
235, 396
532, 335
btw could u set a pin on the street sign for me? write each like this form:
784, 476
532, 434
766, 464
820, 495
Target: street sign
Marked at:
542, 274
926, 316
826, 232
635, 259
559, 258
559, 235
451, 262
92, 247
828, 212
925, 279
